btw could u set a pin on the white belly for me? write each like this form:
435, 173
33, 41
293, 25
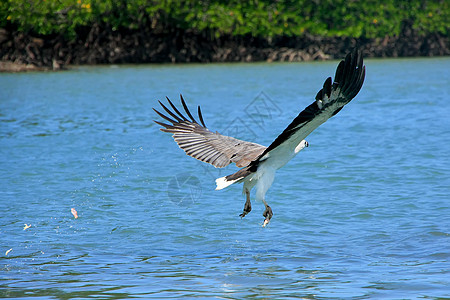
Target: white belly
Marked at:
263, 178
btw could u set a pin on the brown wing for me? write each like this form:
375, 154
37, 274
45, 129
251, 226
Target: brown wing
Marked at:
201, 143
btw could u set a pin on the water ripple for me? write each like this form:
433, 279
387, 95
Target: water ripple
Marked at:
362, 213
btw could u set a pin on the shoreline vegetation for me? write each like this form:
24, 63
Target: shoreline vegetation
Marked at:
53, 34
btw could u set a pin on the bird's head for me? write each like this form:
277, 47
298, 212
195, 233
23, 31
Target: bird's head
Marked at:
300, 146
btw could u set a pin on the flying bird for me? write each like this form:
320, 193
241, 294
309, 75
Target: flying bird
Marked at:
259, 163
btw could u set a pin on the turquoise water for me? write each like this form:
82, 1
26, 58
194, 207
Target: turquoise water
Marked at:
364, 212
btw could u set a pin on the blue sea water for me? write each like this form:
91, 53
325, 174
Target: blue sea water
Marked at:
362, 213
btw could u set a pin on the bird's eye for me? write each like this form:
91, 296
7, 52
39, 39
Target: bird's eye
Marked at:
306, 144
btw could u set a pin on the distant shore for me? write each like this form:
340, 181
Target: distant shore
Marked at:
23, 52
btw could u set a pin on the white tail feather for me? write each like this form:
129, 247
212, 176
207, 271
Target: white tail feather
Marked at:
222, 183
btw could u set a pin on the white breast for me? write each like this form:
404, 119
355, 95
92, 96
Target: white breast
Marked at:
280, 156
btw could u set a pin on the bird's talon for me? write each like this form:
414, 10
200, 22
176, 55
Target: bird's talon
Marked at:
247, 206
268, 215
268, 212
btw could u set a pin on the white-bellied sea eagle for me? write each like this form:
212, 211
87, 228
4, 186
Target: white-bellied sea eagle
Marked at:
259, 163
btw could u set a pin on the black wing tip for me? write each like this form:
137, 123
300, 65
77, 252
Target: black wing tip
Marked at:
350, 74
327, 86
326, 89
164, 116
186, 109
200, 116
166, 126
176, 117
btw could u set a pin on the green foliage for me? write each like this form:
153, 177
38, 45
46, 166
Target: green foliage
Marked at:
261, 18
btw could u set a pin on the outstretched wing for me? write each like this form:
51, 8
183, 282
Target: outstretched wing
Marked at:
201, 143
330, 100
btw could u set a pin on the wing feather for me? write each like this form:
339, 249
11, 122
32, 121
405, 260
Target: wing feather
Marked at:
200, 116
175, 109
169, 112
201, 143
220, 150
187, 110
349, 78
